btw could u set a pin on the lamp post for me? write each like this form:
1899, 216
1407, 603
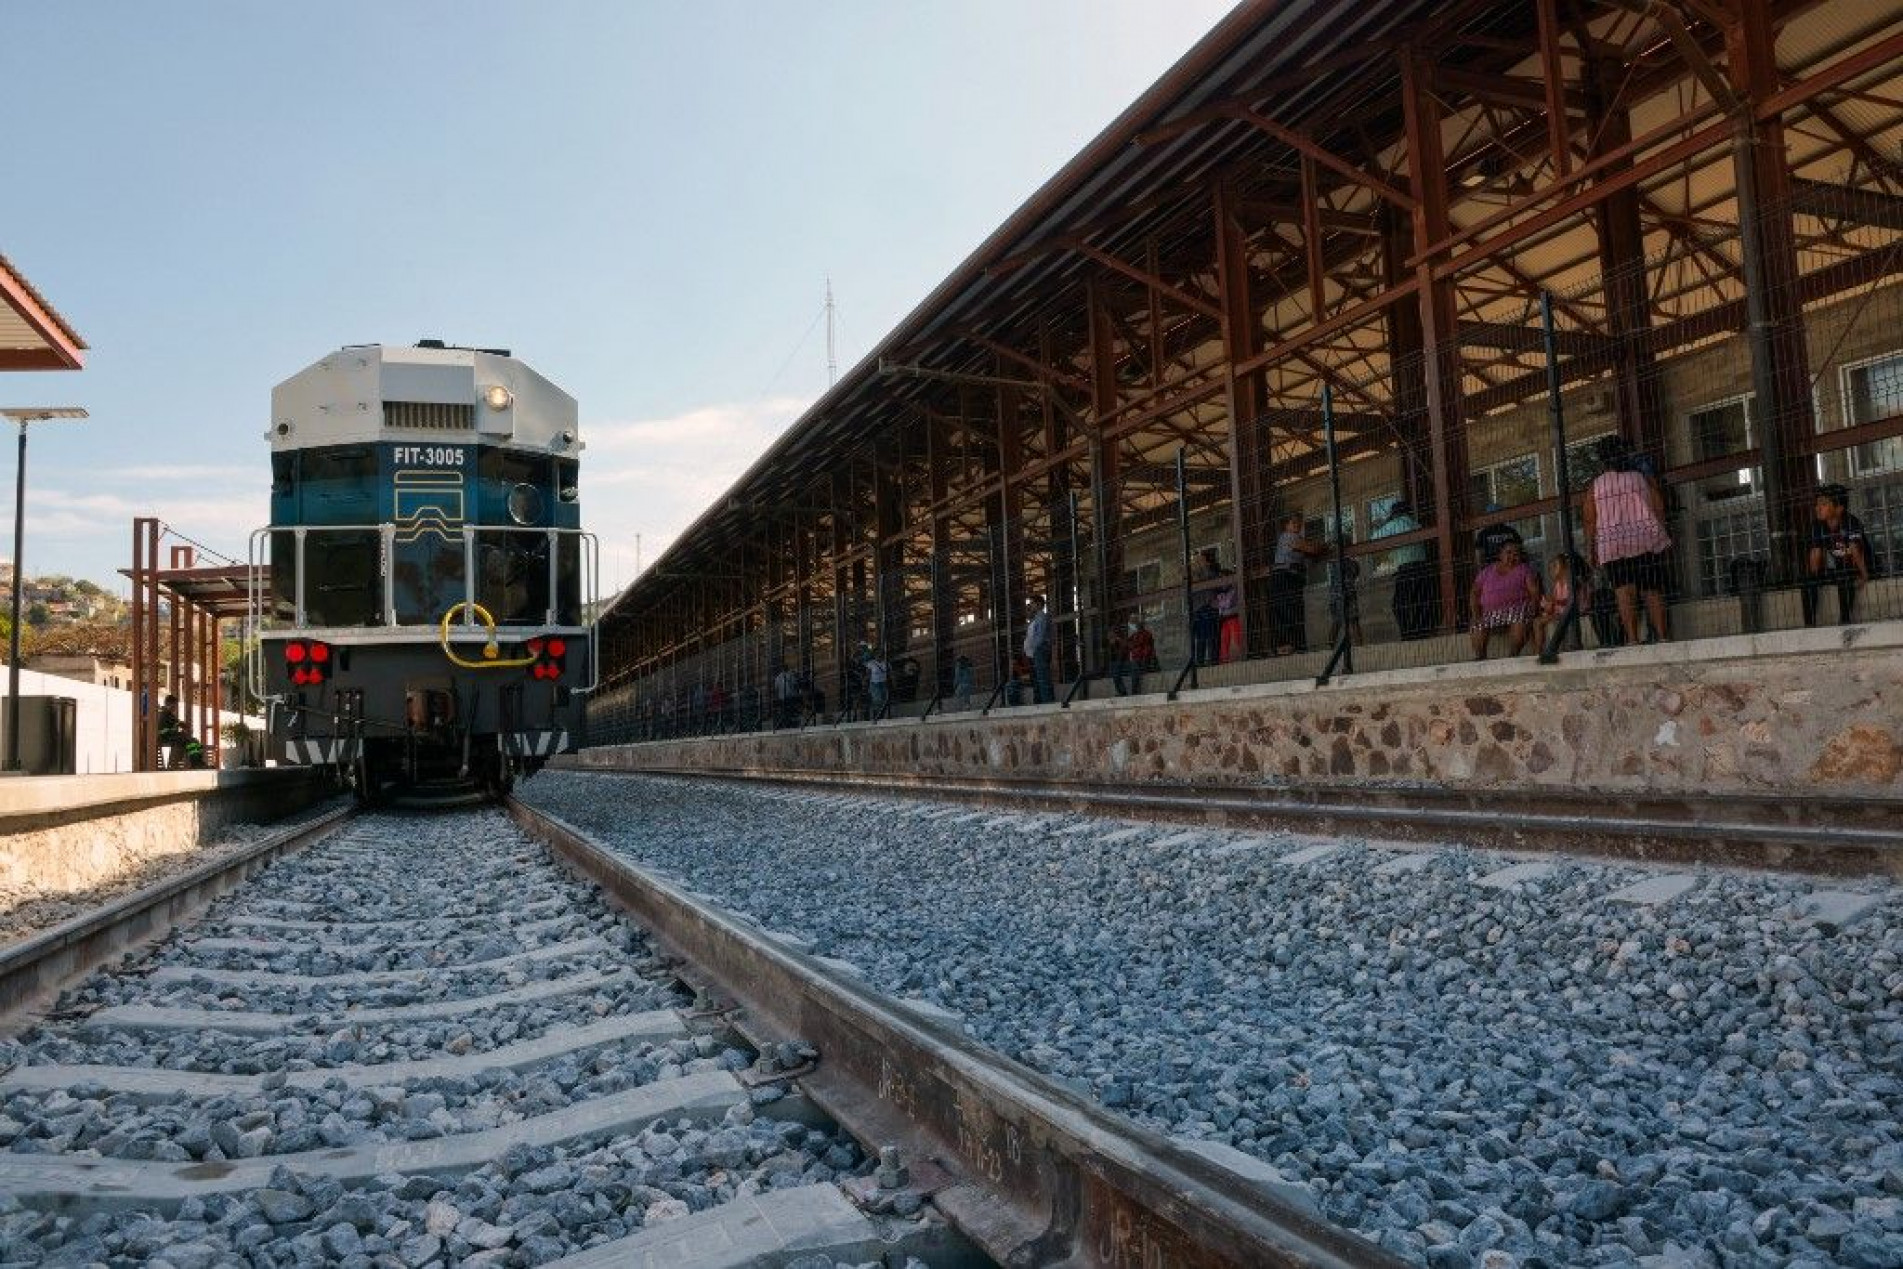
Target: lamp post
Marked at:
22, 416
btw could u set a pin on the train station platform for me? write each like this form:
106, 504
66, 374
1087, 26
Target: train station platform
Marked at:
63, 838
1768, 719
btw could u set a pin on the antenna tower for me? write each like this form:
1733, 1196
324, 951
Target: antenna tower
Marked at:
832, 362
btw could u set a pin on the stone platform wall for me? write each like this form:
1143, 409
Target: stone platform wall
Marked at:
60, 834
1797, 712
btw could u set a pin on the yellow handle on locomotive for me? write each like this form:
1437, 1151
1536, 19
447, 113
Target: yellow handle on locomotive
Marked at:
491, 652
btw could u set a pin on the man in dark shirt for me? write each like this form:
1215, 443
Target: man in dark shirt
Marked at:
1839, 554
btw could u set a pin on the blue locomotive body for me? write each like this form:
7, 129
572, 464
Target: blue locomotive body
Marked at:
424, 616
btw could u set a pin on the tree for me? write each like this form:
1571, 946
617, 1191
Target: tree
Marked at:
37, 615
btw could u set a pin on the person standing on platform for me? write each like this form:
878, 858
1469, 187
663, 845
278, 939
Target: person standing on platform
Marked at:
1288, 623
1624, 519
1205, 618
1037, 649
786, 695
1413, 601
964, 682
878, 682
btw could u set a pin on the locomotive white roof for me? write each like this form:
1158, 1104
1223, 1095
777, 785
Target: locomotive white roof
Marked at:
385, 392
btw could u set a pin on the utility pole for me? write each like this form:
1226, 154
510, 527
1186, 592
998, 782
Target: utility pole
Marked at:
22, 417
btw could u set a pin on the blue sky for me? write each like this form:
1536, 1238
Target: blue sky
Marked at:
641, 199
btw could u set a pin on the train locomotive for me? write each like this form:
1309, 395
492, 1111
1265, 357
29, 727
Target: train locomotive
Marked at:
422, 598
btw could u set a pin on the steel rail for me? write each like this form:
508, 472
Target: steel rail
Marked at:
33, 970
1031, 1172
1841, 836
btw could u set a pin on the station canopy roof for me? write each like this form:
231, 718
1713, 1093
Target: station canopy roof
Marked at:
33, 336
1266, 82
222, 590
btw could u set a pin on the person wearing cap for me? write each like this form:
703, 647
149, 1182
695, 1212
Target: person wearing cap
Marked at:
1414, 600
1840, 554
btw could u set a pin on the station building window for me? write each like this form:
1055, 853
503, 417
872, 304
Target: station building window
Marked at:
1511, 483
1719, 430
1378, 509
1873, 392
1141, 581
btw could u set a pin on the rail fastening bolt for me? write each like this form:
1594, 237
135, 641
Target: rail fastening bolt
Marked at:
891, 1170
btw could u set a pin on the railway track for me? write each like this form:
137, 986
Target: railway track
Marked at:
1825, 835
417, 1040
1469, 1058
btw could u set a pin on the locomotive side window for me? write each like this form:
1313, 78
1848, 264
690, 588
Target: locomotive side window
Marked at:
338, 485
568, 580
283, 575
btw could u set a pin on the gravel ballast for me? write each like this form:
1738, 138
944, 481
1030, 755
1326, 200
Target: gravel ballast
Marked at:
411, 900
1532, 1072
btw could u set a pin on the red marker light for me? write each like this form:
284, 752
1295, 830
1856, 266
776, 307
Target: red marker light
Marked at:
535, 647
294, 651
320, 652
557, 647
299, 677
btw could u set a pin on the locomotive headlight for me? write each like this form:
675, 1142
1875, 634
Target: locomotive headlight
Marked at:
497, 397
525, 505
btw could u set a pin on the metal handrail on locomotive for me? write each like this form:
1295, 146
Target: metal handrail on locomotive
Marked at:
426, 618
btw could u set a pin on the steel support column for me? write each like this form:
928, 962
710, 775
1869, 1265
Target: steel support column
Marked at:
1622, 264
1780, 363
1427, 168
1241, 335
1106, 491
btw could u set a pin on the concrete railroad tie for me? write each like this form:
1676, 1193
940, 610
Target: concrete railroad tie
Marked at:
75, 1183
314, 912
753, 1229
457, 928
265, 979
1516, 874
1413, 861
150, 1086
238, 1022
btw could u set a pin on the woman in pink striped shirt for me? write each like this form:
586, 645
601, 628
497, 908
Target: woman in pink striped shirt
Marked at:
1625, 532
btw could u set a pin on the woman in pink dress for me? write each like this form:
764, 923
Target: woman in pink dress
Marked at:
1506, 596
